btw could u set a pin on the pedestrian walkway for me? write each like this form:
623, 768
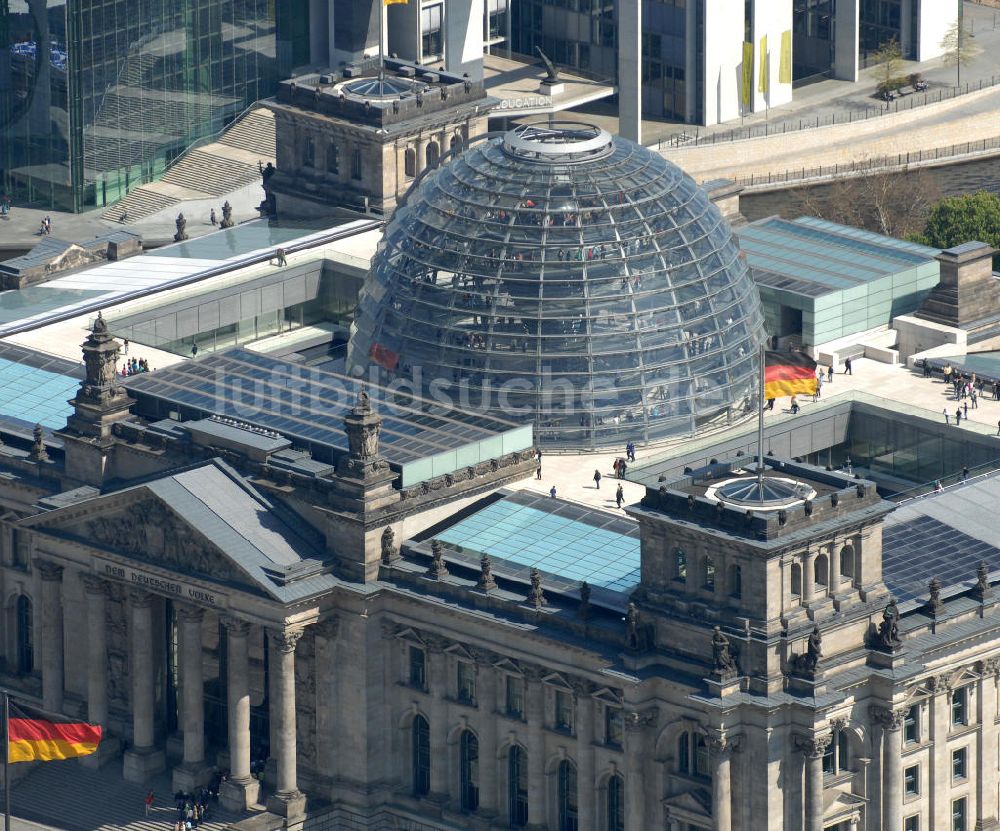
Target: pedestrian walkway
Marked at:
90, 800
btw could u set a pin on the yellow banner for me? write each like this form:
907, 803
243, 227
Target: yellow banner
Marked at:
785, 67
747, 81
762, 78
394, 2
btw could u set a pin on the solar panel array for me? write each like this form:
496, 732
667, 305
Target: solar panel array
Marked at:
309, 404
918, 549
569, 543
36, 388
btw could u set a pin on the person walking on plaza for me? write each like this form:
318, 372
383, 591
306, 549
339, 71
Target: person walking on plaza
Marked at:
829, 374
630, 451
149, 803
213, 218
958, 417
552, 491
965, 410
948, 417
847, 367
620, 495
280, 255
597, 479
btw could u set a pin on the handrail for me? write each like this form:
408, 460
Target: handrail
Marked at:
978, 472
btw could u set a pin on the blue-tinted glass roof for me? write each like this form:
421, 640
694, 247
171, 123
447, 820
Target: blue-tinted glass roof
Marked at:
35, 388
241, 239
812, 257
986, 365
568, 543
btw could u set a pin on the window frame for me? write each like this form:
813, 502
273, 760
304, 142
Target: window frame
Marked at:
914, 771
417, 669
960, 814
468, 766
911, 721
614, 726
960, 764
420, 745
960, 707
465, 682
514, 684
563, 711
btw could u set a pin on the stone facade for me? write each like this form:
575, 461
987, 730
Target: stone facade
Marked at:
760, 676
338, 149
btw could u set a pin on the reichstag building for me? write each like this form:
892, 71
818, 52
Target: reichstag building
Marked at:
334, 591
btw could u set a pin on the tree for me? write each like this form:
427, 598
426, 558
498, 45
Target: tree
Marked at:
894, 204
958, 219
959, 47
889, 58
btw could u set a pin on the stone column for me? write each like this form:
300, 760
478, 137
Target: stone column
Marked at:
326, 703
53, 667
240, 790
97, 668
535, 713
636, 724
288, 801
488, 763
891, 722
192, 773
722, 788
586, 786
813, 748
419, 159
986, 798
808, 573
97, 650
437, 685
142, 759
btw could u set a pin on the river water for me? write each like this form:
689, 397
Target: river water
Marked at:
953, 180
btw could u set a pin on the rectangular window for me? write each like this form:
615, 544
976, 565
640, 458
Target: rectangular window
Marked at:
466, 682
960, 706
911, 726
614, 726
418, 668
958, 820
430, 32
564, 711
911, 780
959, 764
515, 696
911, 823
356, 163
332, 163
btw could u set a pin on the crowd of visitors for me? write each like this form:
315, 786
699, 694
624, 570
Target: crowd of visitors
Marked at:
133, 366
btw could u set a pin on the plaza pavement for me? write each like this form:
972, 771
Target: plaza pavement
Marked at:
572, 474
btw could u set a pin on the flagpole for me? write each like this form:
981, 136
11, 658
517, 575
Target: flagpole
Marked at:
760, 430
6, 761
381, 48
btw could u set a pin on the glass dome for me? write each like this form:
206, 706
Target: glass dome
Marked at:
562, 276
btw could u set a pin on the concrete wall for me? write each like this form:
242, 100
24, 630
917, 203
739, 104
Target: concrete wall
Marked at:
770, 18
463, 37
917, 336
934, 19
723, 59
847, 34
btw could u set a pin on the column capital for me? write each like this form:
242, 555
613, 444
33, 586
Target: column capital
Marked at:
94, 585
235, 626
285, 639
723, 746
50, 571
637, 721
328, 628
888, 718
189, 614
140, 599
812, 747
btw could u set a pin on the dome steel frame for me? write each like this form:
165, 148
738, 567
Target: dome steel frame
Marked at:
560, 275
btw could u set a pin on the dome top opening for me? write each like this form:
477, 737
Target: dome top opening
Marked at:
560, 141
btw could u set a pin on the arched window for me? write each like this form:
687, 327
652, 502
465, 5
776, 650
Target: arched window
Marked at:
410, 162
735, 580
469, 763
616, 803
568, 819
796, 580
680, 565
456, 143
708, 573
25, 637
332, 159
433, 153
692, 754
308, 152
821, 570
421, 756
847, 561
517, 787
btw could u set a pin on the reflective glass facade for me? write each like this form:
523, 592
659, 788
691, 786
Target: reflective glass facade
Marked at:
98, 96
567, 278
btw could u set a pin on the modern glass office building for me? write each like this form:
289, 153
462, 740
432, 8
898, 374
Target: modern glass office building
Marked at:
97, 96
562, 276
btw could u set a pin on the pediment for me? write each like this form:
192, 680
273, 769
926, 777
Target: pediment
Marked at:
146, 530
691, 804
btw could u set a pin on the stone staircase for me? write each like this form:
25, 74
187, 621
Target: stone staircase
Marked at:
68, 795
208, 171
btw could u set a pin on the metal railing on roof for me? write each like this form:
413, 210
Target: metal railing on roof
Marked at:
972, 474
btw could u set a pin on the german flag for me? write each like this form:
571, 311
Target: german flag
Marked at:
788, 373
36, 736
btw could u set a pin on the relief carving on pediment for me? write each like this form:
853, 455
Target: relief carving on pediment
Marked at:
151, 532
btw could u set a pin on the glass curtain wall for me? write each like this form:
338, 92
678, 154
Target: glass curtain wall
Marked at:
99, 96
